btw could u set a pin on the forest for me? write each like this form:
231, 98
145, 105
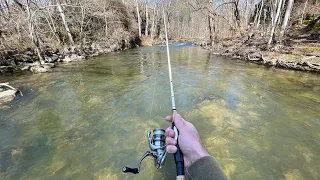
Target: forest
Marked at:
46, 31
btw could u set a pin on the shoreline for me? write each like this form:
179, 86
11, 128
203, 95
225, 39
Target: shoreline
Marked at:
27, 61
273, 57
309, 62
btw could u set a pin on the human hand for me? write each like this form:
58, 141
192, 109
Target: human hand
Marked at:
189, 140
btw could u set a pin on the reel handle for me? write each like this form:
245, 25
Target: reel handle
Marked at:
130, 170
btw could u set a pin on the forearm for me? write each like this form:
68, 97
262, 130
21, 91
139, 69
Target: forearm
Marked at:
205, 168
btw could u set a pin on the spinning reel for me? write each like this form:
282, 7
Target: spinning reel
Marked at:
157, 144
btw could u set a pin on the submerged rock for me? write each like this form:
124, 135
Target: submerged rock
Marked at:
56, 166
5, 159
105, 174
16, 153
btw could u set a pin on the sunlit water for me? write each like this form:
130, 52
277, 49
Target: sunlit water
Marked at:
88, 119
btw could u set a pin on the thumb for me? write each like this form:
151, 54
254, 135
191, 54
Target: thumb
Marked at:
179, 122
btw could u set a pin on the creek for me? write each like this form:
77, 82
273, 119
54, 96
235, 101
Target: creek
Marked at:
88, 119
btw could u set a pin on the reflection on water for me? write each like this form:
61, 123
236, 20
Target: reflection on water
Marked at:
89, 119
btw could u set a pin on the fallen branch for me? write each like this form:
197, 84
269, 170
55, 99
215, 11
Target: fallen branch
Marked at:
7, 85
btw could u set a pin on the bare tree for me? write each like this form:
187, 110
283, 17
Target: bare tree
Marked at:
105, 18
139, 19
147, 19
65, 22
259, 16
246, 13
153, 25
286, 19
274, 24
33, 35
303, 11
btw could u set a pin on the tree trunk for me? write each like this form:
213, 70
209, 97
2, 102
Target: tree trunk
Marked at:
260, 12
139, 20
286, 19
281, 12
211, 37
256, 14
53, 26
304, 10
147, 20
153, 26
275, 22
81, 28
64, 22
237, 14
105, 19
272, 12
246, 14
33, 36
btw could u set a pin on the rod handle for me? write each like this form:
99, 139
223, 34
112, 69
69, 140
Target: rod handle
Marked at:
178, 159
178, 156
130, 170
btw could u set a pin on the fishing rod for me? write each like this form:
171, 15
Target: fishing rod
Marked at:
157, 141
178, 156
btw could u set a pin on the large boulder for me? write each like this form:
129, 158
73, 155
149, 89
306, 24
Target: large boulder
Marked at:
8, 93
52, 59
42, 68
72, 57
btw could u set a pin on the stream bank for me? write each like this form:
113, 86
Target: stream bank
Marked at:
300, 50
15, 60
287, 58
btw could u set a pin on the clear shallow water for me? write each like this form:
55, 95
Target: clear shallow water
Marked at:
89, 119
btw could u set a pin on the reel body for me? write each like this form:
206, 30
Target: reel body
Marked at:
157, 145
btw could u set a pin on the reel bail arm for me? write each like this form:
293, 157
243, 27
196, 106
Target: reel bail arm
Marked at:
136, 170
158, 151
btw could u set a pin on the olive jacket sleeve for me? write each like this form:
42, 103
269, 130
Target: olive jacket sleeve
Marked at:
206, 168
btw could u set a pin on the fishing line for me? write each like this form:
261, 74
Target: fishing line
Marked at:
152, 100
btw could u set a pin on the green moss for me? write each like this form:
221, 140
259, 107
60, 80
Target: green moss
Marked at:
309, 17
306, 22
316, 26
63, 36
75, 34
